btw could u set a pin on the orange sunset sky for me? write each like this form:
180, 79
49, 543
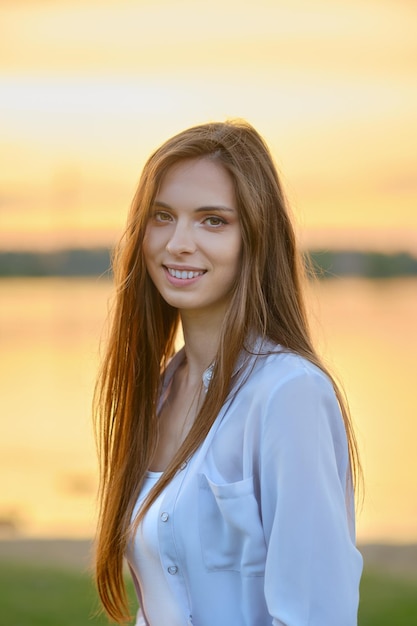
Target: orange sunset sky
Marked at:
89, 88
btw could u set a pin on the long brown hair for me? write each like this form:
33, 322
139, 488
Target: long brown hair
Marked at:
267, 300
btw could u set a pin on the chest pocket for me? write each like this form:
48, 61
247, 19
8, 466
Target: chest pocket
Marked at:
231, 532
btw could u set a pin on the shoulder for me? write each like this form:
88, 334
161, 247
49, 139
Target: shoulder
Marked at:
274, 368
287, 393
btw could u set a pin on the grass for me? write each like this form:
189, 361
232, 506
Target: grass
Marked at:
387, 600
45, 596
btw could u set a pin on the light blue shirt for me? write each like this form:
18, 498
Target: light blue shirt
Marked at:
258, 527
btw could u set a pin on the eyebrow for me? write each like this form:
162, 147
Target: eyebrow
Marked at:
201, 209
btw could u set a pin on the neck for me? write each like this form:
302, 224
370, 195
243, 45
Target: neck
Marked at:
201, 339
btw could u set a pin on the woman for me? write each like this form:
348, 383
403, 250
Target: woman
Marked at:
227, 467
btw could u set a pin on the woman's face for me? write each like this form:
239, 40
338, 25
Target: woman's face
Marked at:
193, 240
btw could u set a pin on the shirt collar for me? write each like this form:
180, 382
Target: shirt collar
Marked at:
254, 347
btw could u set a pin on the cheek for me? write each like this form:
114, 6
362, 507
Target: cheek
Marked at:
150, 245
236, 251
232, 262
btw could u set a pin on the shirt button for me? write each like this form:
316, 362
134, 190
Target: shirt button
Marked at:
172, 569
164, 517
183, 465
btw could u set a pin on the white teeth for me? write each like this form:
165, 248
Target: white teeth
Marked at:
184, 273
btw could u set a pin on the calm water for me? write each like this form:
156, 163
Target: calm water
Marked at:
50, 330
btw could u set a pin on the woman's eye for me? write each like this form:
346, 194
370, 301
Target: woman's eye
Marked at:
213, 220
162, 216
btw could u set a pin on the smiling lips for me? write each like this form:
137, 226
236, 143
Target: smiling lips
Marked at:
184, 274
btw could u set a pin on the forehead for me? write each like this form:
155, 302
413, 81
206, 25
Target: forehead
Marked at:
197, 182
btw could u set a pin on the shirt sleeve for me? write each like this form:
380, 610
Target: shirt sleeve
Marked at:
313, 568
140, 620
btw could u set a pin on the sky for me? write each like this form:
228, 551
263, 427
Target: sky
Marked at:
89, 88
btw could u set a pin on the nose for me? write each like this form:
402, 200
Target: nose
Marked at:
181, 240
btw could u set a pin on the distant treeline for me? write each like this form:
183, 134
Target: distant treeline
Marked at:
333, 263
71, 262
96, 262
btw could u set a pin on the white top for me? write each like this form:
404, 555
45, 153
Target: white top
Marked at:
158, 602
257, 529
